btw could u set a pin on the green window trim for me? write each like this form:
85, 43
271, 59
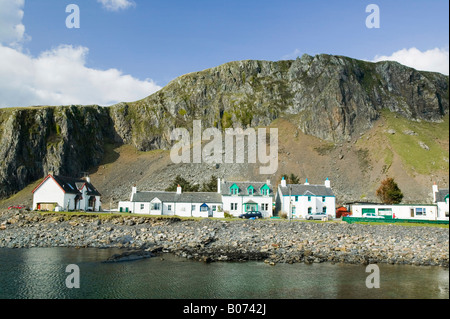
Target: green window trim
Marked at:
234, 190
250, 190
265, 190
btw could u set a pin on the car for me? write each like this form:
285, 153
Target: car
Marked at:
371, 215
17, 207
317, 216
253, 215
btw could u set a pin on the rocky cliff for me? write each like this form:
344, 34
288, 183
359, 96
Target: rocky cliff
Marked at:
333, 98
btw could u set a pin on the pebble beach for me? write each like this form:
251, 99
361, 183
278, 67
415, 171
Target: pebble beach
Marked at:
212, 240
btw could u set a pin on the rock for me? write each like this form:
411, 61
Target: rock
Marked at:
424, 146
391, 131
129, 256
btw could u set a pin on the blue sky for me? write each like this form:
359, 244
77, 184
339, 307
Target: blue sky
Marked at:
151, 42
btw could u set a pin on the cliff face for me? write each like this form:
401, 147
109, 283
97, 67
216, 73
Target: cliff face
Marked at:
330, 97
65, 140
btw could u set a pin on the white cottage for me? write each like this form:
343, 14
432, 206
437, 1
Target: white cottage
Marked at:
201, 204
301, 200
399, 211
440, 198
241, 197
66, 193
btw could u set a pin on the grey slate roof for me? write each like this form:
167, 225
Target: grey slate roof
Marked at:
73, 185
173, 197
306, 190
225, 187
440, 195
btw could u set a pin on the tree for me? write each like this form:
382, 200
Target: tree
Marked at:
389, 192
211, 185
291, 179
185, 185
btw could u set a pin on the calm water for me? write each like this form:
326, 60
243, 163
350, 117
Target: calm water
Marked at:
40, 273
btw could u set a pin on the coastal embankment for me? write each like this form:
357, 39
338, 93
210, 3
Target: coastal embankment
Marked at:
210, 240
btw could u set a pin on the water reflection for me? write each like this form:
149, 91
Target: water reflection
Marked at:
40, 273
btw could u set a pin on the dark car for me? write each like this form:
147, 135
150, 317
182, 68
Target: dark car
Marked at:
249, 215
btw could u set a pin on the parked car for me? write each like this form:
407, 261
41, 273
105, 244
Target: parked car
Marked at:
371, 215
248, 215
17, 207
317, 216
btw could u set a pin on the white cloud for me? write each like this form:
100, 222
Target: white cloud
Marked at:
12, 31
435, 60
60, 77
116, 5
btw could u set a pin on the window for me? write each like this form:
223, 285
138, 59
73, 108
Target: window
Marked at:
234, 206
421, 211
214, 208
385, 211
250, 190
324, 209
169, 207
234, 190
323, 199
309, 210
265, 192
142, 206
156, 206
193, 207
293, 209
296, 198
309, 198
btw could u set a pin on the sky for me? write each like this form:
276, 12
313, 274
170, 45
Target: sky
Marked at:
125, 50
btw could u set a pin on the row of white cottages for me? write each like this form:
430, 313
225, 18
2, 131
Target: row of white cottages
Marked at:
236, 198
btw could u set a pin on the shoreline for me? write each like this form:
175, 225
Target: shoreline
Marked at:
211, 240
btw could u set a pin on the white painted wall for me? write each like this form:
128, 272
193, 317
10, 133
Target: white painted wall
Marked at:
240, 200
300, 205
49, 192
400, 211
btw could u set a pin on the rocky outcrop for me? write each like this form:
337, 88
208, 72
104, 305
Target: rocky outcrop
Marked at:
333, 98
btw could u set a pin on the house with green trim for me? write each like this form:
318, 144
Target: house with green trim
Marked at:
241, 197
301, 200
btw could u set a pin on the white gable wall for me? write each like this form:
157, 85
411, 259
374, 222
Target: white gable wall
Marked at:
48, 193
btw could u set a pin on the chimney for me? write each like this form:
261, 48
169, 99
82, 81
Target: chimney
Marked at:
51, 173
435, 190
306, 183
179, 190
88, 179
268, 182
218, 186
133, 191
283, 182
327, 183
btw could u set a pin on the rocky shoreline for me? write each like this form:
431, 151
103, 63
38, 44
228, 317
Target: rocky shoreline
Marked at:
208, 240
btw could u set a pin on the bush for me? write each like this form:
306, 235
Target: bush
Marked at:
227, 215
284, 215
